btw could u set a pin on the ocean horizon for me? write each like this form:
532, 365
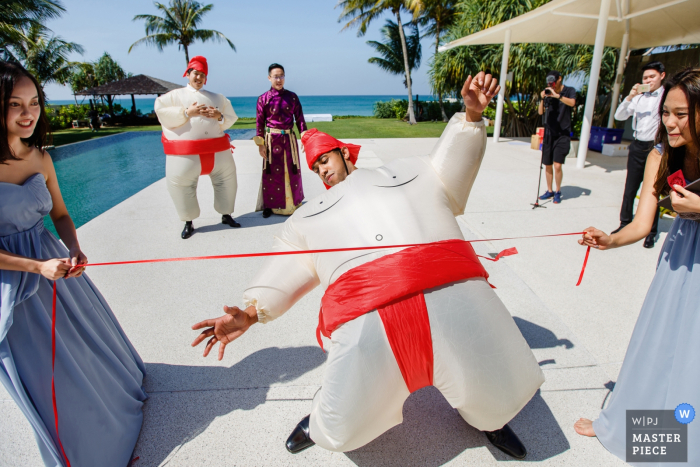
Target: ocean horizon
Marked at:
244, 106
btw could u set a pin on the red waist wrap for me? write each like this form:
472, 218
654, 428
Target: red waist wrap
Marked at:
393, 285
205, 148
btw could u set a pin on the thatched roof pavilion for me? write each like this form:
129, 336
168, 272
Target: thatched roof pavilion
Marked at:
139, 84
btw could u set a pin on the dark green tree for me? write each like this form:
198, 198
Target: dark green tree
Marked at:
529, 63
18, 16
46, 56
92, 74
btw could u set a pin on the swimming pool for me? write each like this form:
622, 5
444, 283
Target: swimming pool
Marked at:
96, 175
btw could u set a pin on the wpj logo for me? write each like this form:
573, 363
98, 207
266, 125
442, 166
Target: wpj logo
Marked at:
658, 435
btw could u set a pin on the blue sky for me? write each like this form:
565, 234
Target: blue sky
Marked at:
303, 35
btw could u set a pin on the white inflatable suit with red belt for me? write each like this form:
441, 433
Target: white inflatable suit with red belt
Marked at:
421, 324
197, 146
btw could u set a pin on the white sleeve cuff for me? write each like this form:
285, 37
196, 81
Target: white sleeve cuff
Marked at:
263, 318
462, 117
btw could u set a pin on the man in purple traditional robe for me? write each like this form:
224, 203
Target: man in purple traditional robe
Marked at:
281, 191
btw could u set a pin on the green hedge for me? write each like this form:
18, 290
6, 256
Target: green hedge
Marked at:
62, 116
397, 109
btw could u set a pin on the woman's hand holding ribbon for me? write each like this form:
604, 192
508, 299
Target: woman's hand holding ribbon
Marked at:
595, 238
77, 257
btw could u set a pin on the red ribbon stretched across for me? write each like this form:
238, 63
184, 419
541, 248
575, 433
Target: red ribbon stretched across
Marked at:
507, 252
53, 364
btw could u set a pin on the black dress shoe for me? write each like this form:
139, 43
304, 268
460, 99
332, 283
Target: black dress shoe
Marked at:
649, 241
228, 220
618, 229
507, 441
299, 439
267, 212
188, 230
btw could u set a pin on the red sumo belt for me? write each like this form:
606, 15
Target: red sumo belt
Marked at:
205, 148
394, 285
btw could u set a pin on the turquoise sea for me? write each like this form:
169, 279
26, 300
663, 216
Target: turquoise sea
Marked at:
245, 106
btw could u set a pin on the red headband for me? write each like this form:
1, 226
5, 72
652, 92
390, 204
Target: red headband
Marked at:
198, 63
317, 143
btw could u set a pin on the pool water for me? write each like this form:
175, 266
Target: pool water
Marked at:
96, 175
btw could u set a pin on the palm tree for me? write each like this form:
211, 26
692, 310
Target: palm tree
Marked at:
437, 16
178, 25
576, 58
16, 16
391, 52
360, 13
46, 56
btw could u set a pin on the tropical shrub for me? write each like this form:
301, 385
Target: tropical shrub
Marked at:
395, 108
62, 116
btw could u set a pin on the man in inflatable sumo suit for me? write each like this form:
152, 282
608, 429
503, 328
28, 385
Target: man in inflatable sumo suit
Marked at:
398, 319
195, 144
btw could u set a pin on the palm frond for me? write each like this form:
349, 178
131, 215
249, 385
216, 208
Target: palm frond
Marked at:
178, 24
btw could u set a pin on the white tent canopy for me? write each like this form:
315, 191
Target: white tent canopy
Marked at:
616, 23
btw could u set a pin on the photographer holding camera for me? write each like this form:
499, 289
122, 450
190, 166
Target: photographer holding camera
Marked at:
556, 103
643, 105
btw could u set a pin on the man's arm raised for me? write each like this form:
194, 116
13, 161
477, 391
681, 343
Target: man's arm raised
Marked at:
457, 155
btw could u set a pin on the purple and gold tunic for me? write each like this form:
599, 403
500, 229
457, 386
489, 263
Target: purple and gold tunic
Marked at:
281, 180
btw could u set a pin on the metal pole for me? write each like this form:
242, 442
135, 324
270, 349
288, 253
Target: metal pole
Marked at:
618, 79
502, 93
593, 83
620, 64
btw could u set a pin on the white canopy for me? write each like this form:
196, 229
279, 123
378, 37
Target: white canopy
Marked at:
575, 21
616, 23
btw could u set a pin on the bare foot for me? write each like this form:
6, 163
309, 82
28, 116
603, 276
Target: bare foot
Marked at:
584, 427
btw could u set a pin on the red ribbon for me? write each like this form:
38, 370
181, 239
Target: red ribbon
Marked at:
53, 364
508, 252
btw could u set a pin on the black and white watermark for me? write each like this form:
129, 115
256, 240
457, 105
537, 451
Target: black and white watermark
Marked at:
658, 435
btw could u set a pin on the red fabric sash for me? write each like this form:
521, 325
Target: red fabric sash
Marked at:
394, 285
407, 327
205, 148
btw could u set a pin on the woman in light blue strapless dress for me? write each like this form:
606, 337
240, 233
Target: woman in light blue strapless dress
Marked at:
661, 369
98, 374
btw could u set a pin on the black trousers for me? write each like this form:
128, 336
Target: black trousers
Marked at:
636, 161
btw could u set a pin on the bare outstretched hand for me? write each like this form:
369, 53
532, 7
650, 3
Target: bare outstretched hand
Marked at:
477, 93
225, 329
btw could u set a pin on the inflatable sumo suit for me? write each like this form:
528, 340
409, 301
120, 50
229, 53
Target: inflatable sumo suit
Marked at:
399, 319
197, 146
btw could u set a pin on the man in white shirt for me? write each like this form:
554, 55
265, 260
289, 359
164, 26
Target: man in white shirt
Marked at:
195, 144
644, 108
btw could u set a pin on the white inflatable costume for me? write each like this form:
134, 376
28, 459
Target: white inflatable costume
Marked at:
482, 364
182, 171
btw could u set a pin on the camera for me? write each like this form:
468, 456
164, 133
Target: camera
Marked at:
547, 92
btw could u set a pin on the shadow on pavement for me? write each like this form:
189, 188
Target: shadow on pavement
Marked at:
433, 433
185, 400
538, 337
571, 192
610, 164
211, 228
255, 219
